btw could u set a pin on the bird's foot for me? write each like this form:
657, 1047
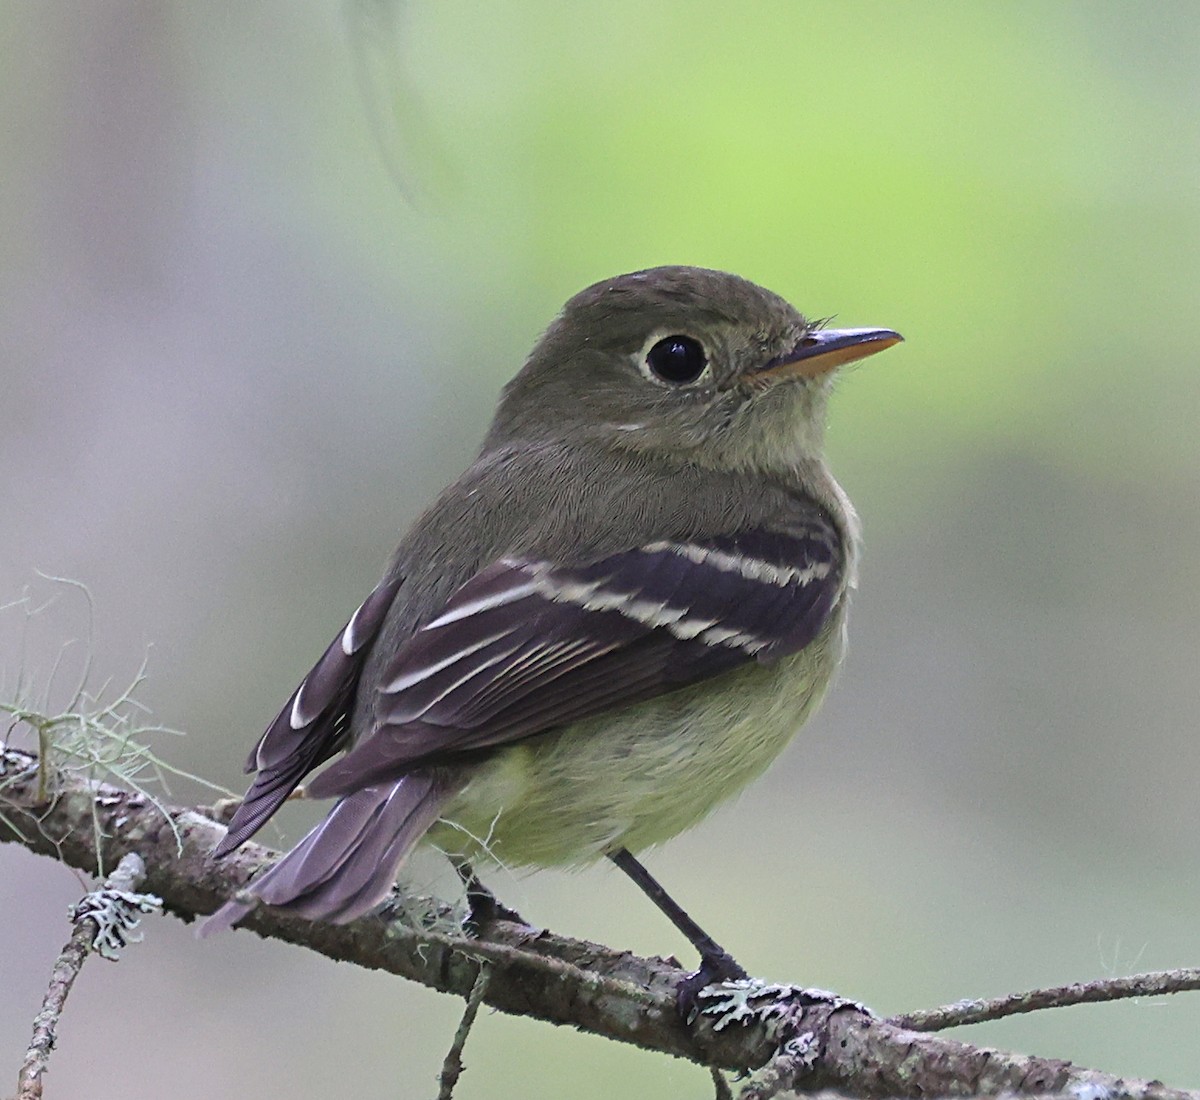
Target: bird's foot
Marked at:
716, 970
483, 907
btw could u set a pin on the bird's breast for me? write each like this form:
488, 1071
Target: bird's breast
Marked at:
636, 776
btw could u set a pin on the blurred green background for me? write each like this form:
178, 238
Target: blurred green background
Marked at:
238, 352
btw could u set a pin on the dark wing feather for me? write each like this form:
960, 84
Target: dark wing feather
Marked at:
528, 645
313, 724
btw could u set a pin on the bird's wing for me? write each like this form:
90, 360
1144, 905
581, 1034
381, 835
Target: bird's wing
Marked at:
313, 723
528, 645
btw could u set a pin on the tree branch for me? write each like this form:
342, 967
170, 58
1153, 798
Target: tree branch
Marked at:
820, 1040
1155, 983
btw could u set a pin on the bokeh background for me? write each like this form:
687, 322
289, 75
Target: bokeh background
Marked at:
263, 269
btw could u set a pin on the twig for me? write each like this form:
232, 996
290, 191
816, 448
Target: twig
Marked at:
104, 920
1152, 984
452, 1066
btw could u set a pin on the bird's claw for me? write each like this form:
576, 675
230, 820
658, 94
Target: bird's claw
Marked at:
483, 907
715, 972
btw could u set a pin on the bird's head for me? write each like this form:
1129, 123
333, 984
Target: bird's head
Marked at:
696, 364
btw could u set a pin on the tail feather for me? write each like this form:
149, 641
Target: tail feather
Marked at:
367, 897
347, 864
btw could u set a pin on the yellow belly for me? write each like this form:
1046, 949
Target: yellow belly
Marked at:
635, 777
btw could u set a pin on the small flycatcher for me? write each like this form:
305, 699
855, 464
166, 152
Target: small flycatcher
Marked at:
608, 625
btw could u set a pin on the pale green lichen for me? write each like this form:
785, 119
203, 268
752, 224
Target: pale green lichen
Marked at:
99, 734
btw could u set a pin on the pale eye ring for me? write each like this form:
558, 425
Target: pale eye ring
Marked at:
677, 360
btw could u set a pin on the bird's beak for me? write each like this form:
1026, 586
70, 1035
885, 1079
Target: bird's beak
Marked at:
819, 352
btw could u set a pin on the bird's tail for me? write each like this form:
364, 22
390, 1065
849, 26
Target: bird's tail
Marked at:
348, 863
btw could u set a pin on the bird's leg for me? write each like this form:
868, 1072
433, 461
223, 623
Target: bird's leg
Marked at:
482, 904
716, 964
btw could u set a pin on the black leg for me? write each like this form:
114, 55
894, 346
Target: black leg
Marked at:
482, 904
716, 964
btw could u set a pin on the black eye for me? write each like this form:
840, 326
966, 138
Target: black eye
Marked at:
677, 360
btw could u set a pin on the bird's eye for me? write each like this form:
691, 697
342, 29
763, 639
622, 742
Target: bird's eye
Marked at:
677, 360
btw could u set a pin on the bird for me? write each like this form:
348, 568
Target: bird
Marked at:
613, 621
